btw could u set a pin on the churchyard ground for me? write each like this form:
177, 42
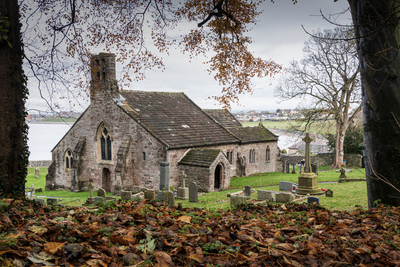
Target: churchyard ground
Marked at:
346, 195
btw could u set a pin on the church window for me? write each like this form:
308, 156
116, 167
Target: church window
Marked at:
144, 155
68, 159
267, 154
105, 144
252, 156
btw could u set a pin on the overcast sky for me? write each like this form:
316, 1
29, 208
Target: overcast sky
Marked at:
278, 36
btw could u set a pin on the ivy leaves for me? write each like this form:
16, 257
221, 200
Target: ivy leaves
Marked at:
3, 25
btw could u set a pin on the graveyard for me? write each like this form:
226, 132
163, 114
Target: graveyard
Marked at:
153, 233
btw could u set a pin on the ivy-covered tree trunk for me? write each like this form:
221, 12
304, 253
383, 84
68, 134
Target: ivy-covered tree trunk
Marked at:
13, 130
377, 26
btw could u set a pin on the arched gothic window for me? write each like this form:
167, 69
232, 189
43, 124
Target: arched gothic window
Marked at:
105, 144
252, 156
68, 159
144, 155
267, 154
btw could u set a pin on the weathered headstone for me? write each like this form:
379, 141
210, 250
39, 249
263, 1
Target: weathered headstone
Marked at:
150, 194
314, 168
193, 192
283, 197
264, 195
99, 200
247, 191
90, 187
37, 173
126, 195
285, 186
38, 190
101, 192
41, 201
171, 200
138, 196
182, 191
237, 200
329, 193
51, 201
294, 169
311, 200
287, 167
110, 198
342, 173
164, 179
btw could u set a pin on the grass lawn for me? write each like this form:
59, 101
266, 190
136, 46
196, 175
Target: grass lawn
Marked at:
346, 195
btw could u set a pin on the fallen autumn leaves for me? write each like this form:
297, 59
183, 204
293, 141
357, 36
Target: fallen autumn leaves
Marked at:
150, 234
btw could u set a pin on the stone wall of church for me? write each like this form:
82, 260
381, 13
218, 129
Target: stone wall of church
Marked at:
142, 171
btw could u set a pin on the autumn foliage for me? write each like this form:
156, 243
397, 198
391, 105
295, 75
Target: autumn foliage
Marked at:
141, 33
151, 234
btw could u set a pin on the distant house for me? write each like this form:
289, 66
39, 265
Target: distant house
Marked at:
318, 145
123, 137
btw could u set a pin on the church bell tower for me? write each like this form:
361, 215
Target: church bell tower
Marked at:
103, 76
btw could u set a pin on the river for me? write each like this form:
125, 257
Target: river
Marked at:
43, 137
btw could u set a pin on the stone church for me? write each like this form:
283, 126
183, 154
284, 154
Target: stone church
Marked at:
122, 138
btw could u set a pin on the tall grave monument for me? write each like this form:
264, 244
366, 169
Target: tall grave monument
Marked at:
308, 181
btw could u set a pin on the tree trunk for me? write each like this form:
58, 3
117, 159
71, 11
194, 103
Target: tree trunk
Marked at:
13, 155
376, 27
340, 134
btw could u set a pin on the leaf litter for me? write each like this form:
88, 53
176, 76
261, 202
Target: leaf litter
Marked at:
151, 234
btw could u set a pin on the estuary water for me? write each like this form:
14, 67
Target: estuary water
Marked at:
43, 137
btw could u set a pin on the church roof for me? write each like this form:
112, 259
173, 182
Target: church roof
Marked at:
253, 134
223, 117
200, 157
174, 118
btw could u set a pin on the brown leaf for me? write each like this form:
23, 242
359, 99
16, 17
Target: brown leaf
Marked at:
185, 219
164, 259
313, 248
197, 257
4, 220
53, 247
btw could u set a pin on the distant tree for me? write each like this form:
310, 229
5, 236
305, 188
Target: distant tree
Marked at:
327, 78
353, 141
284, 151
278, 110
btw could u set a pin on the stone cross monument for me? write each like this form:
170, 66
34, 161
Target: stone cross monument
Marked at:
183, 191
308, 181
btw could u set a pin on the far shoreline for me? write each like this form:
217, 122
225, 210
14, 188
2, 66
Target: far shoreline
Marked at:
50, 122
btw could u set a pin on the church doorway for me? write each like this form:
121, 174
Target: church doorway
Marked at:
217, 176
106, 180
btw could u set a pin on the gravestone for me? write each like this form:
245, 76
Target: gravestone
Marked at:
41, 201
183, 191
287, 167
38, 190
164, 179
51, 201
314, 168
328, 193
99, 200
171, 200
138, 196
308, 181
285, 186
247, 191
193, 192
294, 169
264, 195
101, 192
237, 200
110, 198
126, 195
37, 173
283, 197
311, 200
342, 173
150, 194
90, 200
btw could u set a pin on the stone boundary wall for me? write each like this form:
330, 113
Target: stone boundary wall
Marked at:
39, 163
325, 159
